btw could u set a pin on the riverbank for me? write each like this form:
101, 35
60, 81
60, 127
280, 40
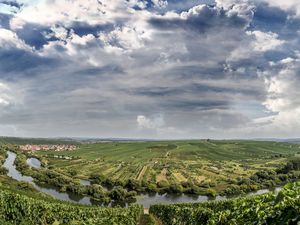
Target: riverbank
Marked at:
191, 167
144, 199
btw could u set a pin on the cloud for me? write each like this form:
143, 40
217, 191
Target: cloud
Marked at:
64, 12
202, 18
9, 39
265, 41
17, 57
9, 97
5, 99
123, 38
5, 20
149, 68
291, 5
12, 3
8, 130
33, 35
160, 3
155, 122
282, 88
282, 100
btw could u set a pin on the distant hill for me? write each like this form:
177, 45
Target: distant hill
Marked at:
289, 140
22, 141
78, 140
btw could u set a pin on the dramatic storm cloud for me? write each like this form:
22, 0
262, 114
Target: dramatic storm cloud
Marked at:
150, 68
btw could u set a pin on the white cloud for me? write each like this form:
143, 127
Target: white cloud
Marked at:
124, 38
192, 66
283, 92
255, 44
154, 122
5, 95
9, 39
288, 5
66, 12
282, 100
16, 23
265, 41
139, 3
58, 32
242, 8
293, 5
160, 3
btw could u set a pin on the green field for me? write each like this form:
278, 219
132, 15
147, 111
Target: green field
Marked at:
204, 167
186, 150
268, 209
206, 163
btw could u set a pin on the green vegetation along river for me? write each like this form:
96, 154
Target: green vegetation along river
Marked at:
15, 174
144, 199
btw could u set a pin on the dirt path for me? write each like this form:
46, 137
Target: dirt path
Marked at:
162, 175
141, 174
146, 211
179, 177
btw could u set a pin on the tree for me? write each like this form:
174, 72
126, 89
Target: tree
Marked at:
118, 194
133, 184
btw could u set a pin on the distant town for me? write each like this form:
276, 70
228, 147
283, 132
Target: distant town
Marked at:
57, 148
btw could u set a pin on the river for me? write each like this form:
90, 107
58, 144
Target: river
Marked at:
15, 174
144, 199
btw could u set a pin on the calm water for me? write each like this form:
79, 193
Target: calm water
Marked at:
15, 174
150, 199
85, 182
34, 162
144, 199
12, 171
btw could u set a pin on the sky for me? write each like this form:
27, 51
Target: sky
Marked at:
164, 69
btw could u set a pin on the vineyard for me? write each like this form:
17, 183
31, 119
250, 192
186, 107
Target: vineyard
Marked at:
21, 209
22, 204
205, 167
272, 208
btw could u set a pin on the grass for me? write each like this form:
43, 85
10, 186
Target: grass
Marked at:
187, 150
202, 162
147, 219
175, 161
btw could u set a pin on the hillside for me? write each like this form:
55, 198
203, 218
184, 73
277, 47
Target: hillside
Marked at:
205, 163
119, 173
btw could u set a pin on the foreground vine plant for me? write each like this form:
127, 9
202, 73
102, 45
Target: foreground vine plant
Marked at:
20, 209
272, 208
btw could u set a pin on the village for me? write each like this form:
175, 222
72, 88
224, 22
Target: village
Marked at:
45, 147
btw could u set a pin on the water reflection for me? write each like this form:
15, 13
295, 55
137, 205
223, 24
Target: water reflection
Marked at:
149, 199
34, 162
12, 171
144, 199
85, 182
15, 174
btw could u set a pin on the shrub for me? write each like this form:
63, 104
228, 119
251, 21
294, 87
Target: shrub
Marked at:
271, 208
20, 209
